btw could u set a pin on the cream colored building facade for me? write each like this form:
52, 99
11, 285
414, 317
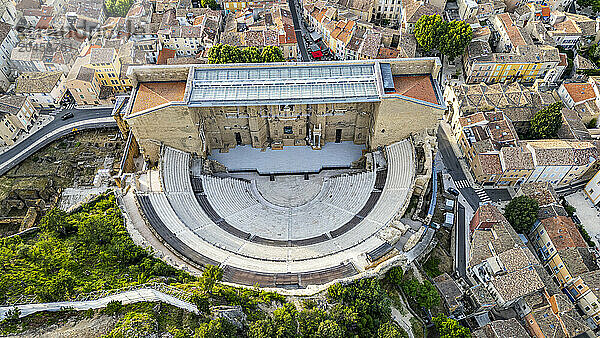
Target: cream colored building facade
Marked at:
204, 108
17, 115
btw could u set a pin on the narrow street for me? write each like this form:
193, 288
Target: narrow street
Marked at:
455, 170
298, 31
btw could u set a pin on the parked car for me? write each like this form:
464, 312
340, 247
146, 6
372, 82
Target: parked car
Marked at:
67, 116
453, 191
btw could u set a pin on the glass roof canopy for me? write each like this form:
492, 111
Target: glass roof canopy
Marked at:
294, 84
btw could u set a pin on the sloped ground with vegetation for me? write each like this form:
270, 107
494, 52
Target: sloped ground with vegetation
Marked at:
91, 250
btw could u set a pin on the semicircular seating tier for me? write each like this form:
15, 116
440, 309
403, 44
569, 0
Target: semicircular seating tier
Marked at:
225, 221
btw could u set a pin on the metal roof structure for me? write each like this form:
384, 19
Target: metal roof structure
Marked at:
271, 85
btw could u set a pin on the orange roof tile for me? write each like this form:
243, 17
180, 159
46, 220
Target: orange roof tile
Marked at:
416, 86
580, 92
164, 55
563, 233
514, 34
153, 94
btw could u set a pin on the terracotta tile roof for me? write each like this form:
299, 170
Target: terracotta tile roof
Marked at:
580, 91
416, 9
490, 164
469, 120
542, 192
563, 152
578, 260
513, 32
37, 82
502, 329
518, 283
501, 131
516, 259
11, 104
417, 87
371, 44
563, 233
568, 26
516, 158
102, 55
164, 55
592, 280
153, 94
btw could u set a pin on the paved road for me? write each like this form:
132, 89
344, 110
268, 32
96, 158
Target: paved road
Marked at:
298, 31
455, 170
83, 119
461, 239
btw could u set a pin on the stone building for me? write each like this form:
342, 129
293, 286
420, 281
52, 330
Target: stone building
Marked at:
204, 108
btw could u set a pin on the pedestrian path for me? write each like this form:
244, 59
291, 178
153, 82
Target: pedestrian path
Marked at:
483, 196
460, 184
152, 292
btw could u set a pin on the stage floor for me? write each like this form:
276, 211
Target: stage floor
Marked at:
290, 160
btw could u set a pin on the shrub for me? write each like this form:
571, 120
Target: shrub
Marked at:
394, 275
113, 307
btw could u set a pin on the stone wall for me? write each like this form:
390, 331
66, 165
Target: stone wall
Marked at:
396, 119
172, 125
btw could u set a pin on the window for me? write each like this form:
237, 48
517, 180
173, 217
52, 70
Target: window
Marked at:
288, 130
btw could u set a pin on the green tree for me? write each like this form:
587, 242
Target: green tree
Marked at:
428, 31
455, 38
394, 275
309, 321
546, 122
56, 222
201, 301
390, 330
450, 328
285, 322
521, 213
272, 54
262, 328
135, 325
222, 53
212, 4
118, 7
425, 294
329, 329
252, 55
210, 276
216, 328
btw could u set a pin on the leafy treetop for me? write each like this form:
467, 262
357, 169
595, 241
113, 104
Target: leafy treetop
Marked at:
546, 122
449, 38
521, 213
450, 328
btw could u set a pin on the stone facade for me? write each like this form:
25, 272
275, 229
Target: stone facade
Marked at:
205, 128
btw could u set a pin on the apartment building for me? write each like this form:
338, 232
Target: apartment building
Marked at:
592, 189
561, 162
351, 38
525, 63
35, 53
43, 89
189, 32
17, 115
84, 86
499, 261
107, 69
260, 27
567, 256
8, 41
